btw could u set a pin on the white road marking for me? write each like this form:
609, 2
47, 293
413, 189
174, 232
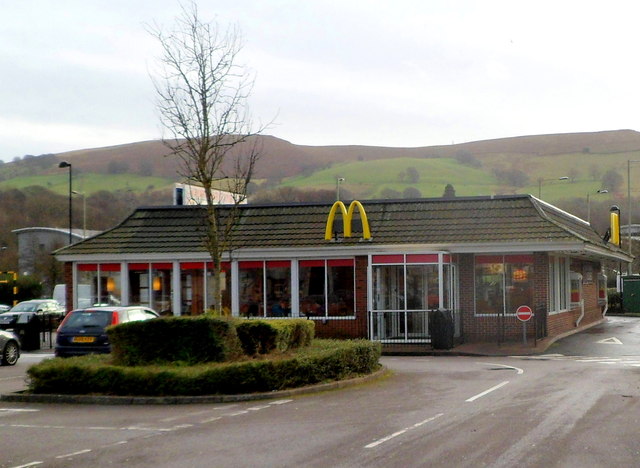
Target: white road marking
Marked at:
79, 452
486, 392
517, 369
16, 377
205, 421
396, 434
35, 463
237, 413
19, 410
611, 340
186, 415
280, 402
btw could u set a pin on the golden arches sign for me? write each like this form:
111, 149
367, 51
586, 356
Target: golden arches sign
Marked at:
347, 217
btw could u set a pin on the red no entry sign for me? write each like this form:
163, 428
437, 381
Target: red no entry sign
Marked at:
524, 313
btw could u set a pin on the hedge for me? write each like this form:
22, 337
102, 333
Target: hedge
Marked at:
324, 360
265, 336
188, 340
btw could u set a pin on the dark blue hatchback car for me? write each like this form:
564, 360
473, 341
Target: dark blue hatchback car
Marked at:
83, 331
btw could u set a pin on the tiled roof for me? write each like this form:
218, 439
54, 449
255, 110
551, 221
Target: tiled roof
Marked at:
455, 221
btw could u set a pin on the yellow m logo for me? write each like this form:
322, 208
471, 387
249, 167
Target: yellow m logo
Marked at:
347, 216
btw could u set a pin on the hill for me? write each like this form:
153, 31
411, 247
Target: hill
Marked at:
284, 159
506, 165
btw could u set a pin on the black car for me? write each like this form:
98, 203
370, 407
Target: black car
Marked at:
9, 348
83, 331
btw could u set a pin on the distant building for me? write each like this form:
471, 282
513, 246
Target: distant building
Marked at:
635, 231
35, 245
185, 194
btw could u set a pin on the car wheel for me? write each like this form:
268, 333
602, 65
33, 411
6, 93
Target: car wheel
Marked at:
10, 354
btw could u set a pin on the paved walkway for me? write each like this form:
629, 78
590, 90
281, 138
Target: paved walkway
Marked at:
484, 349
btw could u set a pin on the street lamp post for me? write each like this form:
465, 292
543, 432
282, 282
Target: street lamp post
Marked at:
339, 180
540, 180
62, 165
84, 213
589, 203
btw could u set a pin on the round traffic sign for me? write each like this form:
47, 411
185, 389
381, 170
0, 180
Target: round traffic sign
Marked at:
524, 313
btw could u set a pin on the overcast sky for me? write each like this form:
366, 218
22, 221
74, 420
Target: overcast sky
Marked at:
75, 74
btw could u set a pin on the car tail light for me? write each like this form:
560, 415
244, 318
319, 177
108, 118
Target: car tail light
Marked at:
63, 322
115, 318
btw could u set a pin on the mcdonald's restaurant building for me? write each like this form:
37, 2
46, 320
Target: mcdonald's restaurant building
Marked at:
376, 269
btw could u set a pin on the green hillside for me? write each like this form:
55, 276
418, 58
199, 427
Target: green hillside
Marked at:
88, 183
368, 179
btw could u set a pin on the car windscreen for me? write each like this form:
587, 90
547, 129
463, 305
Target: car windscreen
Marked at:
96, 319
25, 307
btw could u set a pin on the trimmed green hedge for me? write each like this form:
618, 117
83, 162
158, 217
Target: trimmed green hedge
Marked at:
188, 340
324, 360
265, 336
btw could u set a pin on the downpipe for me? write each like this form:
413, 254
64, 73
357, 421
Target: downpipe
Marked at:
581, 313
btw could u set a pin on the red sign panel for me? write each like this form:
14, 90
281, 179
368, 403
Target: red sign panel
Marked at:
524, 313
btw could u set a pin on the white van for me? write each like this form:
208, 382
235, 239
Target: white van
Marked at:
84, 295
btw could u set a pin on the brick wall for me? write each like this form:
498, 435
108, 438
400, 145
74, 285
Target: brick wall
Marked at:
350, 328
487, 328
68, 281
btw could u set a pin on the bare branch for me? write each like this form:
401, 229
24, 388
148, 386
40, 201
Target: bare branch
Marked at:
202, 95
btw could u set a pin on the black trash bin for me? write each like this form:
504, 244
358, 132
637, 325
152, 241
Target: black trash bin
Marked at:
441, 327
27, 327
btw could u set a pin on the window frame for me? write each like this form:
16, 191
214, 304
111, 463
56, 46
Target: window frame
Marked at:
559, 284
327, 263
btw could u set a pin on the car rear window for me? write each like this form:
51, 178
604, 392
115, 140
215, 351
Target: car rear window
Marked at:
88, 319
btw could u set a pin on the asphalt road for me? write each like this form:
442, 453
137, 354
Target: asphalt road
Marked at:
576, 406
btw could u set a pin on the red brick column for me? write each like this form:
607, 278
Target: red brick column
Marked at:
68, 281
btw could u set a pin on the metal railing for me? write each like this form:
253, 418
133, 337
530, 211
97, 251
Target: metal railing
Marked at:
400, 326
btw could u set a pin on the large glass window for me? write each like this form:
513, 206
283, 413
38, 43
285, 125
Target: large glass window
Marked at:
98, 284
161, 274
388, 284
503, 283
410, 282
87, 284
251, 282
265, 289
558, 284
110, 290
518, 282
139, 284
278, 289
326, 287
192, 288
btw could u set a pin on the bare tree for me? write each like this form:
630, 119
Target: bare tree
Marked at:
202, 100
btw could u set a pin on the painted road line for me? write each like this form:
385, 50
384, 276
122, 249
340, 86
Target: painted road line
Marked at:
187, 415
517, 369
402, 431
280, 402
35, 463
486, 392
205, 421
73, 454
15, 377
19, 410
612, 340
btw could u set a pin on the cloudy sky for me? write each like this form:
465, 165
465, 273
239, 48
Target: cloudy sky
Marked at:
75, 74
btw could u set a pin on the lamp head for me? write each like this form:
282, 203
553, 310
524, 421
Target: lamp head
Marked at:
64, 164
